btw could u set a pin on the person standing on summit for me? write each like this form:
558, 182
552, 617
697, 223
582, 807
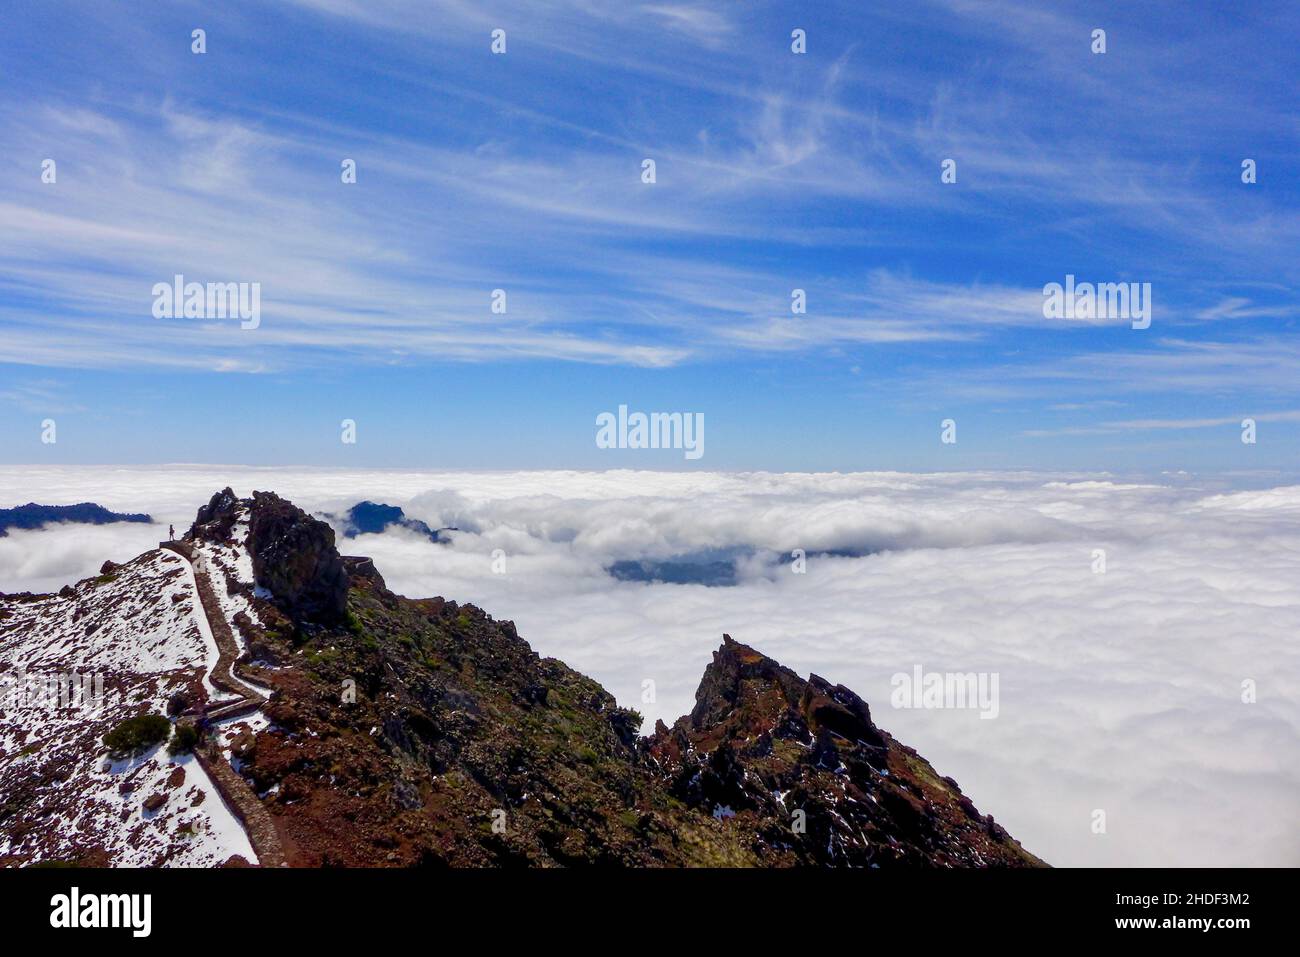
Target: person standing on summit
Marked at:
171, 533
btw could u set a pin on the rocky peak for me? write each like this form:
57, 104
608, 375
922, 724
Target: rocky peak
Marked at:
743, 689
738, 679
294, 555
221, 508
762, 742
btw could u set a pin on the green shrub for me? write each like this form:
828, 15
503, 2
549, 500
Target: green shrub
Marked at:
138, 734
627, 724
184, 739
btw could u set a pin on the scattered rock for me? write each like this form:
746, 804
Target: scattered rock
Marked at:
178, 702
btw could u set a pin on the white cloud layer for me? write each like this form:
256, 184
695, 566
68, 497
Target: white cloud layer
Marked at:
1119, 691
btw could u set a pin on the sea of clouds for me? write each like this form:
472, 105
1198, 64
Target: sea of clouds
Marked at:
1119, 691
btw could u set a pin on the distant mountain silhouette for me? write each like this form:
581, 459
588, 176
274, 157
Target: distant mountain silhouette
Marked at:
714, 568
32, 515
372, 518
711, 573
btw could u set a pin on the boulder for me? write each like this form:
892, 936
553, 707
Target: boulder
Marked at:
221, 507
294, 558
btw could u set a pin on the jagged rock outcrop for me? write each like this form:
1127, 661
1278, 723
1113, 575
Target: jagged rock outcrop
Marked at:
218, 514
294, 556
763, 744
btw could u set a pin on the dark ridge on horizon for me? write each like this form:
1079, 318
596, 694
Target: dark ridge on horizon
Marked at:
32, 515
373, 518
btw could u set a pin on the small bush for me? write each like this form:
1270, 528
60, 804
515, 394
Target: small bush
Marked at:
136, 735
184, 739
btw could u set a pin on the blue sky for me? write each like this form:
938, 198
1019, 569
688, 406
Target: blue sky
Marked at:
775, 171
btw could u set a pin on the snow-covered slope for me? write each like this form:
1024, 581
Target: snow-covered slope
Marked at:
230, 567
133, 633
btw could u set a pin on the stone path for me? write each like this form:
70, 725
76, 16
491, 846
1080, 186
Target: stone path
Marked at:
234, 789
245, 806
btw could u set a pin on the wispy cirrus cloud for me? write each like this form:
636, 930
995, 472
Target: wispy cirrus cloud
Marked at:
775, 171
1166, 425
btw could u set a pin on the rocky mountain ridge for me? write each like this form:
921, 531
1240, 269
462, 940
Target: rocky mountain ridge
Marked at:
411, 732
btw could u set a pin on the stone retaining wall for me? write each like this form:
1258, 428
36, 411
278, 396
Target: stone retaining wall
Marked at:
234, 789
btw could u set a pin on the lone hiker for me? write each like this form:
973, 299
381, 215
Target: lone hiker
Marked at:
171, 533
